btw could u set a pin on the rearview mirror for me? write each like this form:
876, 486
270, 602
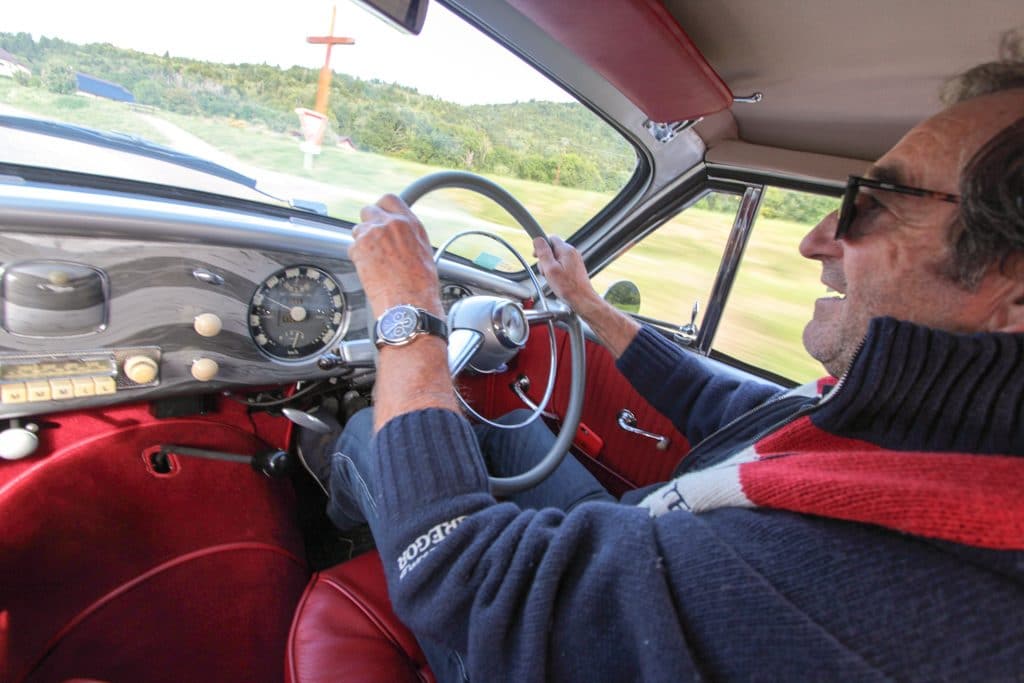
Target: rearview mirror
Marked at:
405, 15
624, 295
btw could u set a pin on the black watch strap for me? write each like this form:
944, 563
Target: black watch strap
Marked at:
433, 325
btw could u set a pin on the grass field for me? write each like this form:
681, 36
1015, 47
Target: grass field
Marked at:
85, 111
559, 210
770, 303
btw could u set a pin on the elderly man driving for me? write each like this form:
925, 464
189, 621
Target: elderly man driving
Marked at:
872, 528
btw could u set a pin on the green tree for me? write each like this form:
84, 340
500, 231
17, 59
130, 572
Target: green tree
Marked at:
59, 79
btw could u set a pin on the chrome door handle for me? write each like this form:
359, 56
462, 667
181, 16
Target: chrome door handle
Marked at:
627, 421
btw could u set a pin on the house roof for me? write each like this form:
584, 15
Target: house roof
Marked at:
101, 88
6, 56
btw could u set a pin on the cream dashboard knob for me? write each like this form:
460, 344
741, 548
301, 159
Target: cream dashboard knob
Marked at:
204, 369
140, 369
18, 442
208, 324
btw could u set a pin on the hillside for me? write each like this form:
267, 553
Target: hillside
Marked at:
552, 142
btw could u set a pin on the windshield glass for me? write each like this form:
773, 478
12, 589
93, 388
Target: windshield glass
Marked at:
240, 86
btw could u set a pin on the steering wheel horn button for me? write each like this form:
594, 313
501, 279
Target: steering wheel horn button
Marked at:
509, 324
401, 324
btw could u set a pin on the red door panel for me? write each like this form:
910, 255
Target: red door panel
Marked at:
621, 460
492, 396
634, 459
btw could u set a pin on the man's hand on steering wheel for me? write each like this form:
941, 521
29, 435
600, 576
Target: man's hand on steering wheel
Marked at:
563, 268
392, 255
567, 274
394, 259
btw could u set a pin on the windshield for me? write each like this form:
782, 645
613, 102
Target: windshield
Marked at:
242, 87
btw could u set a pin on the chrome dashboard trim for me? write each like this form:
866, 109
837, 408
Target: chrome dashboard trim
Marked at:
151, 249
33, 208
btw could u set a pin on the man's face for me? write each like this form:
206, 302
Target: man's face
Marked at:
896, 260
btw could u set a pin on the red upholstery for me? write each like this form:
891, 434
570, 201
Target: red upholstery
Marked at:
640, 48
344, 630
492, 396
113, 571
627, 460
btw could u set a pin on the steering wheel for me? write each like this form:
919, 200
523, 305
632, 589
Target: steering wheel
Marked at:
485, 332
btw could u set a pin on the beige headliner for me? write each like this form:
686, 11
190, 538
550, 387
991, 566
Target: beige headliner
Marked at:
841, 77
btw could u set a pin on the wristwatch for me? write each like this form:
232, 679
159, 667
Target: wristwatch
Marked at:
401, 324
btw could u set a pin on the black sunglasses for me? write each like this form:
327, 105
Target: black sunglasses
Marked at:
848, 210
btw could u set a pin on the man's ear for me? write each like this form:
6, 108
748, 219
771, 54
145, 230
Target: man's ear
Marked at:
1013, 302
1016, 324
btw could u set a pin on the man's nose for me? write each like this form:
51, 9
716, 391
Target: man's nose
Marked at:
821, 241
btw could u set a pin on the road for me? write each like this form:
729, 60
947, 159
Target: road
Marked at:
277, 184
34, 150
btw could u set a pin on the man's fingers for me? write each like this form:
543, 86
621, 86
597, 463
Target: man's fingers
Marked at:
559, 248
545, 257
541, 248
551, 246
370, 212
392, 203
390, 210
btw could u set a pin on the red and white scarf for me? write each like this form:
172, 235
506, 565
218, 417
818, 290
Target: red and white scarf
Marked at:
976, 500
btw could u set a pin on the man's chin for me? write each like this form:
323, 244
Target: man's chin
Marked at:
822, 343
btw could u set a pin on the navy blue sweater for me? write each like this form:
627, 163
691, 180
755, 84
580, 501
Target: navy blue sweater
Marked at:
608, 593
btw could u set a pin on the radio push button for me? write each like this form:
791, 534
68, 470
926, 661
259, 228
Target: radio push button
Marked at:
62, 389
38, 391
104, 385
13, 393
84, 386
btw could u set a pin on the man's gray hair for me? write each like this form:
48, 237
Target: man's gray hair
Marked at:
990, 225
991, 217
1005, 73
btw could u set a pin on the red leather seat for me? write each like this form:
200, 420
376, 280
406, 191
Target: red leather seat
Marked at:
345, 630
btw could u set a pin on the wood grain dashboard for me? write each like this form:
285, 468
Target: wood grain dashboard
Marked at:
175, 284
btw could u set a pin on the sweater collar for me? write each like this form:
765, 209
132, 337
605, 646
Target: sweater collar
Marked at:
915, 388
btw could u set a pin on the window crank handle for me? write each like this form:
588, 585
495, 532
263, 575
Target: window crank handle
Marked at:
627, 421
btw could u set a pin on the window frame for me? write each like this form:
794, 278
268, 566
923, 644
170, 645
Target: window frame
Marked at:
751, 187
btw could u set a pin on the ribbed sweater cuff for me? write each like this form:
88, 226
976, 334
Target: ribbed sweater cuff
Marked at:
649, 359
425, 456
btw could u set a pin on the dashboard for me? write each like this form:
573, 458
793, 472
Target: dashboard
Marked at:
108, 297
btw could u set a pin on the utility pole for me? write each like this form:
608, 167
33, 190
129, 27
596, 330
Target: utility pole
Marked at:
323, 87
314, 121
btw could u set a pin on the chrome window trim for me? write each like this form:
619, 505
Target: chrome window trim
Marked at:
742, 226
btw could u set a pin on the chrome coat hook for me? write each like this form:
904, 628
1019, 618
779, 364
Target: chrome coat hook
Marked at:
756, 97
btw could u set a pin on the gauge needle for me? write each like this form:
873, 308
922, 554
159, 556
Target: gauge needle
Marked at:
298, 313
275, 302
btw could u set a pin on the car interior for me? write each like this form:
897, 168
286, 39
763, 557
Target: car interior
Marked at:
155, 523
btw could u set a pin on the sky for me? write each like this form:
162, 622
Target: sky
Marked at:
449, 59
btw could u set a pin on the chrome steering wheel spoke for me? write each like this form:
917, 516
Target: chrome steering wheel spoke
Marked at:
463, 343
493, 330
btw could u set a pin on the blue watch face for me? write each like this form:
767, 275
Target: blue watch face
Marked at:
398, 324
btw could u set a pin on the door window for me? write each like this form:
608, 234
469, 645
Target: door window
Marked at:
773, 295
676, 264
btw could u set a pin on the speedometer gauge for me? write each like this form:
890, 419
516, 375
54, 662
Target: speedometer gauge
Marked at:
452, 293
296, 313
